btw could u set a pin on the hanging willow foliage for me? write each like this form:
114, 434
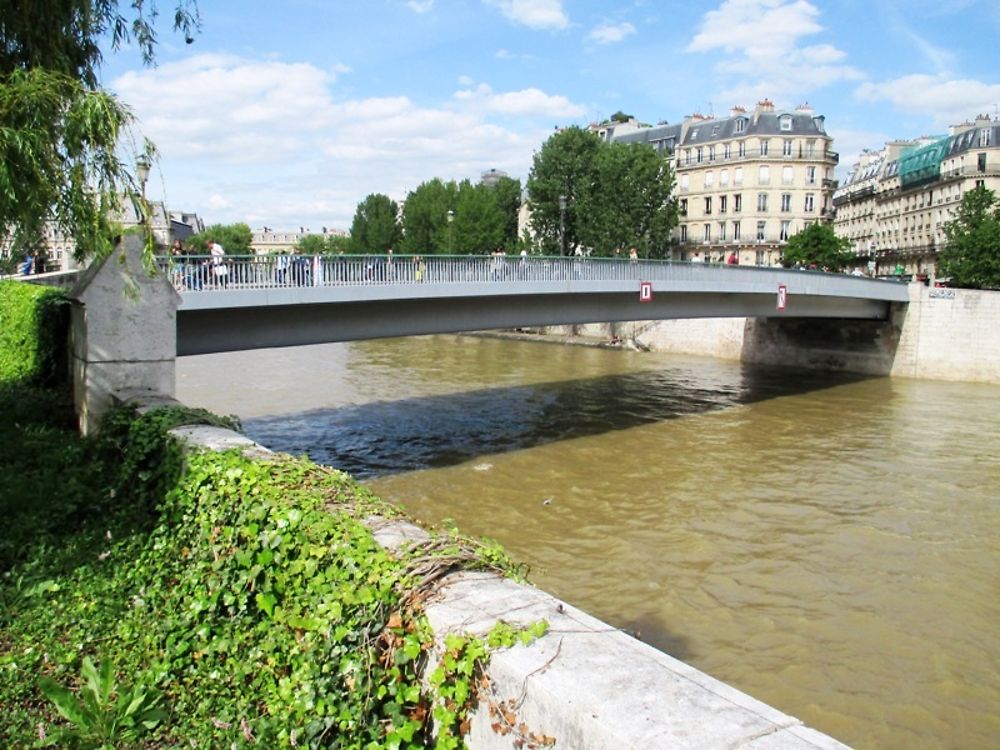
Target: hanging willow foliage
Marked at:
60, 132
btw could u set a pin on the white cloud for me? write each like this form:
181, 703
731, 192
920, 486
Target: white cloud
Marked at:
761, 41
611, 33
420, 6
946, 100
529, 102
268, 142
535, 14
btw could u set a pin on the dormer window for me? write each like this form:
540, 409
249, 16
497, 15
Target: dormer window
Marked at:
694, 133
785, 123
741, 124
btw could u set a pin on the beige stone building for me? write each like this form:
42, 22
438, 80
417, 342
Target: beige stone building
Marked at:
895, 202
746, 182
267, 240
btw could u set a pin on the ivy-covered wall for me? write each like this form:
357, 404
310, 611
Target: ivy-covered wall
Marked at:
33, 327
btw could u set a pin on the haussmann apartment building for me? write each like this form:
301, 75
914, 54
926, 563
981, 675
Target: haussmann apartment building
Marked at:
745, 183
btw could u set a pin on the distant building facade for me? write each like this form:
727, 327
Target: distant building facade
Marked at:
267, 240
166, 226
489, 178
744, 183
895, 202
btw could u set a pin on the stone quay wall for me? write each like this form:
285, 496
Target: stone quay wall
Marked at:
942, 334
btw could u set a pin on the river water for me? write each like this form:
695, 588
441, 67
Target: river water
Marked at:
828, 544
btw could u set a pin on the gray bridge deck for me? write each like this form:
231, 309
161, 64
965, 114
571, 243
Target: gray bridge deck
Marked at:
260, 303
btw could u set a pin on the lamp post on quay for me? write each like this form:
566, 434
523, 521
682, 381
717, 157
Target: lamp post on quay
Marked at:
142, 167
562, 224
451, 244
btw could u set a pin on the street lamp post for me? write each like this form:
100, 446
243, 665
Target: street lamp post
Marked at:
451, 244
142, 166
562, 224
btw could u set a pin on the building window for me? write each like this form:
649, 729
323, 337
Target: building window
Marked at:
810, 205
685, 182
684, 206
722, 203
708, 233
727, 151
984, 138
694, 133
741, 125
711, 153
763, 174
786, 123
762, 201
785, 229
810, 175
981, 162
980, 183
724, 177
810, 148
737, 203
786, 148
743, 149
722, 231
738, 176
763, 148
759, 258
736, 231
709, 178
684, 233
787, 175
761, 228
700, 154
708, 207
786, 202
687, 156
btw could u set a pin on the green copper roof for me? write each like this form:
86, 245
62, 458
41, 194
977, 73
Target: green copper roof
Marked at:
922, 164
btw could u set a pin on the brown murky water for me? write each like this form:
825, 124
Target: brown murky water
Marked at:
826, 544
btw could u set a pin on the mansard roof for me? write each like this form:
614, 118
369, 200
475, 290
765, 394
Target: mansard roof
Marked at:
753, 123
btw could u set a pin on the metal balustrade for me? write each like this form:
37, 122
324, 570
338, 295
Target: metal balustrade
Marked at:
204, 273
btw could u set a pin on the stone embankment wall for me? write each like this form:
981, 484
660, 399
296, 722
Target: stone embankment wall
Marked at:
584, 684
943, 334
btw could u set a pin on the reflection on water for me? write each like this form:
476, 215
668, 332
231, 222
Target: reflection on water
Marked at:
828, 546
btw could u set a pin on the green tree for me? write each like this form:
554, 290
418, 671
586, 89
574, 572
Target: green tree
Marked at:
629, 204
507, 196
234, 238
479, 222
60, 131
311, 244
971, 257
336, 244
818, 245
375, 227
564, 166
617, 195
425, 217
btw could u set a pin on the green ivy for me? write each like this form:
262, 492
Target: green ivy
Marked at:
247, 595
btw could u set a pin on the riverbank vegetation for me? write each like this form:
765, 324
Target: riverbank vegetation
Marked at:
240, 602
971, 257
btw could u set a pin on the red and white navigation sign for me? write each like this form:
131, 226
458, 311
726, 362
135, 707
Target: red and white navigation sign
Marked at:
645, 291
782, 296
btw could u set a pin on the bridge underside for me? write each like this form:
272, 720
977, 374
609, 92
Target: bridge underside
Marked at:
221, 329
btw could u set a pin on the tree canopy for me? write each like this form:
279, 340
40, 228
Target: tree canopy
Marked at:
818, 245
483, 217
376, 227
234, 238
61, 131
972, 256
614, 196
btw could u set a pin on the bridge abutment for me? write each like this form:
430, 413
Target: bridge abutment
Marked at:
123, 333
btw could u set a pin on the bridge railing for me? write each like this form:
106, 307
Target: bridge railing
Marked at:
202, 273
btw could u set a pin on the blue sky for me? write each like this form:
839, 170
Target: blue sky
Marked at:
288, 114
